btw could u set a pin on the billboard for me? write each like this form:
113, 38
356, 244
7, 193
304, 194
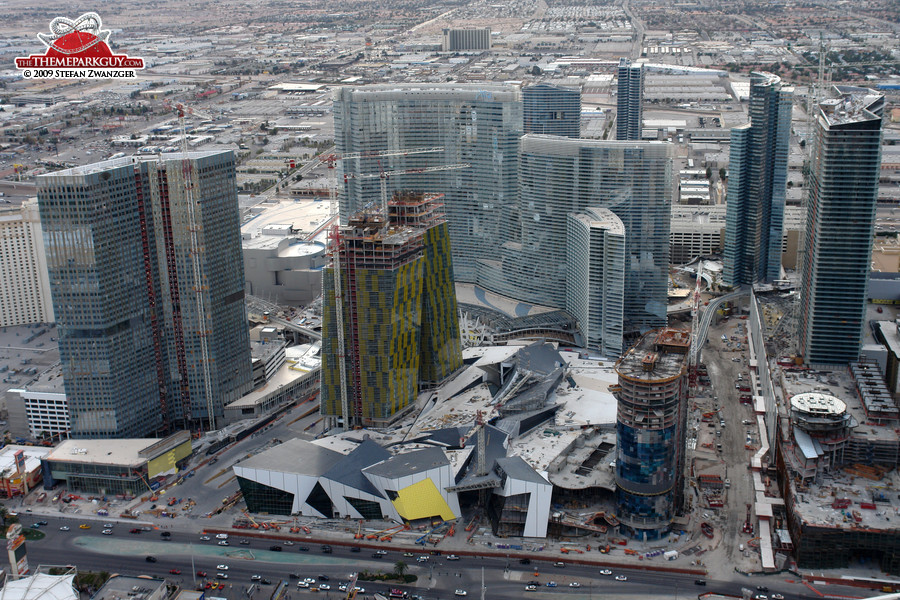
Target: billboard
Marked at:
18, 561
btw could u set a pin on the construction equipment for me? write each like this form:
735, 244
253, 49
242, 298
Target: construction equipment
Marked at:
335, 247
424, 537
359, 534
378, 534
199, 287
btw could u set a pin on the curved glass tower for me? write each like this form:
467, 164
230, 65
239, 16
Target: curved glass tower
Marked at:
650, 432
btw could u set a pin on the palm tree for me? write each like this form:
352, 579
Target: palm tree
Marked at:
399, 568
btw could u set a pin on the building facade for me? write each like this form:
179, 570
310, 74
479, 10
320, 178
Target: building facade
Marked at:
140, 321
399, 313
650, 432
558, 176
475, 125
552, 110
595, 277
843, 183
630, 101
24, 287
757, 180
466, 39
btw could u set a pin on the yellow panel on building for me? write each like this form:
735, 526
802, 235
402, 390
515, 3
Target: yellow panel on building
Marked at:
422, 501
165, 463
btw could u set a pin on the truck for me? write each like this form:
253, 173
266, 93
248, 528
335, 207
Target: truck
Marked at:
670, 554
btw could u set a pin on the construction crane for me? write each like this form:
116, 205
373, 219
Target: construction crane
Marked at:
481, 443
695, 326
335, 244
199, 287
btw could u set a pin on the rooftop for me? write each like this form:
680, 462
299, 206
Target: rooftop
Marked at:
125, 452
817, 403
315, 462
40, 586
660, 354
123, 587
33, 456
99, 167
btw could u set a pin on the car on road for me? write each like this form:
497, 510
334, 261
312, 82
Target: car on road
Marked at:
551, 584
460, 593
422, 559
108, 525
275, 548
64, 528
175, 571
256, 578
376, 555
574, 584
204, 538
531, 588
221, 575
776, 597
266, 582
288, 543
621, 578
699, 582
136, 531
165, 534
326, 550
43, 523
452, 557
606, 572
324, 586
35, 525
353, 548
303, 549
359, 590
309, 580
324, 578
84, 526
201, 573
106, 532
221, 567
303, 584
221, 536
150, 559
559, 564
244, 542
408, 554
224, 543
762, 588
524, 561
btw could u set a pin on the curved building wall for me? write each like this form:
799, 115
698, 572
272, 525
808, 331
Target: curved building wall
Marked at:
479, 125
650, 428
558, 176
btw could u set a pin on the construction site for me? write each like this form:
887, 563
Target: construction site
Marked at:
390, 313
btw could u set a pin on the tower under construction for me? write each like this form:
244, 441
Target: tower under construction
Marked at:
398, 305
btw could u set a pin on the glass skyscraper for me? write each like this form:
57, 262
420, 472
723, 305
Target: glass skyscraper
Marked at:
630, 101
552, 110
595, 277
559, 176
840, 221
478, 125
757, 179
123, 282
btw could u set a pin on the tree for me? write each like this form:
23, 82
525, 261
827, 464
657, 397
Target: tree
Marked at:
399, 568
709, 172
723, 173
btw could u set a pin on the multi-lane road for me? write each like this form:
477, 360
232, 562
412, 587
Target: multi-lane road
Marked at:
439, 578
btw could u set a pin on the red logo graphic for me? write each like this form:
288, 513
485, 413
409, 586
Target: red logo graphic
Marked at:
77, 44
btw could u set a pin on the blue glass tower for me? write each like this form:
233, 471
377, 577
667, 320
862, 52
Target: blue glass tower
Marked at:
552, 110
630, 101
650, 432
757, 180
125, 291
478, 125
840, 221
